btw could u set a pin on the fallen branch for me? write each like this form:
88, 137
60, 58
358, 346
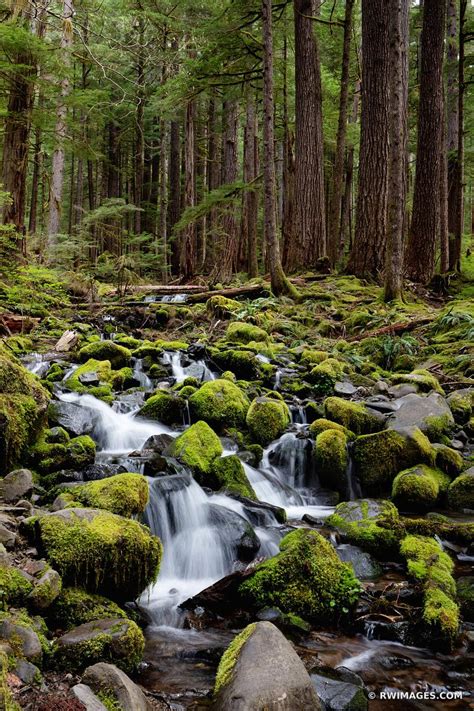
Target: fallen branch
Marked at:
164, 289
249, 290
393, 328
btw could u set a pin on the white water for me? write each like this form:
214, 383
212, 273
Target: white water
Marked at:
140, 376
198, 369
167, 299
36, 363
115, 432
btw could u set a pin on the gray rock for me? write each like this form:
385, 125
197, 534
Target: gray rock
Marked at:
268, 674
359, 509
235, 530
7, 537
86, 696
339, 695
16, 485
402, 390
89, 379
113, 681
46, 590
344, 389
75, 419
365, 567
27, 672
114, 629
418, 410
23, 637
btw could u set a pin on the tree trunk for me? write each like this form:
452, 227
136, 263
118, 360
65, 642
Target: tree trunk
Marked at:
310, 228
279, 282
443, 200
140, 128
250, 199
227, 254
188, 240
57, 175
367, 257
455, 252
425, 223
334, 212
397, 194
452, 117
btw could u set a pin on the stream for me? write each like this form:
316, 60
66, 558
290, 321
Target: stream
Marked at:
196, 529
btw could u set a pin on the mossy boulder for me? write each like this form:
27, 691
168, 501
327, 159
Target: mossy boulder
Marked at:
100, 551
221, 307
325, 375
461, 491
119, 641
419, 489
322, 425
244, 364
461, 404
26, 635
118, 356
430, 413
14, 586
306, 578
220, 403
465, 595
163, 406
229, 475
75, 607
267, 419
355, 416
371, 524
94, 378
197, 448
430, 566
23, 404
380, 456
122, 494
310, 358
76, 453
331, 459
123, 379
46, 589
240, 332
448, 460
423, 379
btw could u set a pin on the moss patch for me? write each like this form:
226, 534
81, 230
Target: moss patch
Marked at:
229, 658
267, 419
352, 415
230, 476
418, 489
331, 459
75, 607
118, 356
164, 407
220, 403
122, 494
197, 448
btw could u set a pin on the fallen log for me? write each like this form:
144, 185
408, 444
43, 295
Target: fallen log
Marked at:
13, 323
253, 290
393, 328
164, 289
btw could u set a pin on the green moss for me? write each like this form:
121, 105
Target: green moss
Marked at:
75, 607
171, 345
230, 476
20, 618
306, 578
267, 419
441, 526
419, 488
103, 369
77, 453
118, 356
229, 658
166, 407
322, 425
104, 553
149, 350
7, 702
437, 426
379, 456
122, 494
240, 332
109, 701
325, 375
55, 373
14, 587
331, 459
311, 358
379, 534
125, 651
123, 379
220, 307
432, 568
465, 594
461, 407
461, 491
423, 379
352, 415
243, 364
448, 460
220, 403
197, 448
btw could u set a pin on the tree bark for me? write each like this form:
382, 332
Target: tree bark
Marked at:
334, 216
227, 254
397, 193
279, 282
139, 160
425, 223
455, 251
310, 227
188, 255
57, 174
452, 117
250, 198
367, 257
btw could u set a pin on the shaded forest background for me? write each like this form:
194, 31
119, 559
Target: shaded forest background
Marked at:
162, 141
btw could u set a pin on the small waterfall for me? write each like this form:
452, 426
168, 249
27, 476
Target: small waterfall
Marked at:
173, 358
354, 490
115, 432
291, 459
198, 369
140, 376
196, 553
166, 299
298, 414
37, 363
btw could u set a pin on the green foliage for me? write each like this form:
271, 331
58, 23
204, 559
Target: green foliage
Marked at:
122, 494
34, 291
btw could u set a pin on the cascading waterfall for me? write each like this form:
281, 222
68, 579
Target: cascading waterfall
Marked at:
140, 376
198, 369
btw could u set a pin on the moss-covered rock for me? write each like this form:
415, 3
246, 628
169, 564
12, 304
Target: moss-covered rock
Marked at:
244, 364
423, 379
267, 419
461, 403
461, 491
77, 453
197, 448
465, 595
370, 524
221, 307
331, 459
7, 701
448, 460
306, 578
166, 407
97, 376
122, 494
353, 415
310, 358
75, 607
418, 489
380, 456
240, 332
14, 587
123, 379
119, 641
26, 635
230, 476
322, 425
46, 589
100, 551
432, 568
325, 375
229, 658
220, 403
118, 356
